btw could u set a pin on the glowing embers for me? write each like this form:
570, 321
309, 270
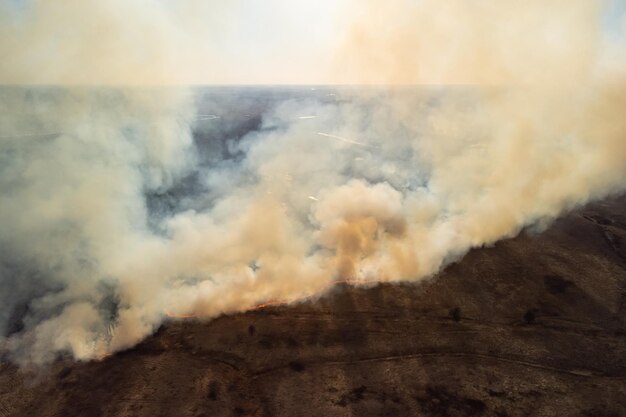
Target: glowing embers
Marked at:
270, 304
179, 316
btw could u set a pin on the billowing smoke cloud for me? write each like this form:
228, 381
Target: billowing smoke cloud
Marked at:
460, 42
75, 167
156, 42
123, 206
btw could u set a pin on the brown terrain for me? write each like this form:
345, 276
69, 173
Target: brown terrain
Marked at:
532, 326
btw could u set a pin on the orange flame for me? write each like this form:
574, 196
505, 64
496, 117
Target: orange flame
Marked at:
179, 316
274, 303
270, 304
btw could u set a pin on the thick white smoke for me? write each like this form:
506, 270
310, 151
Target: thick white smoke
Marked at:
120, 207
75, 167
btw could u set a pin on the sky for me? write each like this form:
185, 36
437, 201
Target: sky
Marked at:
278, 41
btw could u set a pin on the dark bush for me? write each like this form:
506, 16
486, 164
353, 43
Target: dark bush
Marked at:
455, 313
296, 366
530, 316
213, 390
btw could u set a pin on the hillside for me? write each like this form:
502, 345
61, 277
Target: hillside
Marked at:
535, 325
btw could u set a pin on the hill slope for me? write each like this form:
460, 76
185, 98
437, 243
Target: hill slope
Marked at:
535, 325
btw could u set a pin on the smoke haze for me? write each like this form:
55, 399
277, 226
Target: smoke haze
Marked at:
123, 206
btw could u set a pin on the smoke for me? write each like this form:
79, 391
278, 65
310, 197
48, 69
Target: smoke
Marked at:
75, 167
157, 42
121, 207
475, 42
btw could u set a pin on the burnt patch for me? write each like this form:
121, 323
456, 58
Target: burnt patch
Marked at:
531, 315
440, 401
455, 314
296, 366
64, 373
214, 389
614, 241
603, 221
556, 284
352, 336
354, 396
291, 342
600, 412
267, 342
88, 411
496, 393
